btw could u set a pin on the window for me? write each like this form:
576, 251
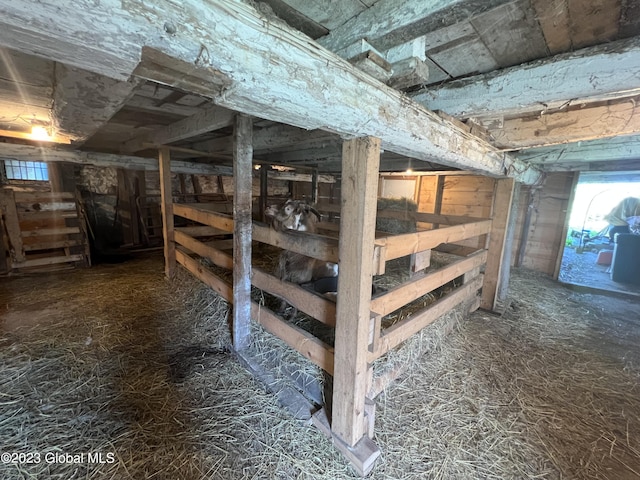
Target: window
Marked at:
23, 170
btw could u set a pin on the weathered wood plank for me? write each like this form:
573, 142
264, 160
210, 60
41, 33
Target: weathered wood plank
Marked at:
119, 40
45, 154
388, 24
414, 289
242, 189
586, 122
500, 219
406, 244
311, 245
41, 262
208, 120
198, 213
84, 101
593, 72
166, 207
44, 232
361, 160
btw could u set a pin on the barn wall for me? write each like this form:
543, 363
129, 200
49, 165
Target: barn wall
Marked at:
461, 195
539, 234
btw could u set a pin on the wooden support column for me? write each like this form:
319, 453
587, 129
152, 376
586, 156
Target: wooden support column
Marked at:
360, 165
505, 273
314, 186
502, 198
167, 212
242, 183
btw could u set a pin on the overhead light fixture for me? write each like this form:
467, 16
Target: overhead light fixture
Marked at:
38, 132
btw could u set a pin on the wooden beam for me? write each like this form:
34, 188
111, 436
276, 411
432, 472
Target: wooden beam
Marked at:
242, 191
208, 120
77, 157
588, 122
361, 158
389, 24
617, 153
85, 101
598, 72
502, 199
311, 245
166, 208
124, 40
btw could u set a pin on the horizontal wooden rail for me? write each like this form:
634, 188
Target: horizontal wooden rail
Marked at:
401, 331
29, 247
206, 217
303, 342
48, 214
218, 257
445, 219
414, 289
219, 285
201, 231
45, 232
41, 262
405, 244
320, 308
43, 197
311, 245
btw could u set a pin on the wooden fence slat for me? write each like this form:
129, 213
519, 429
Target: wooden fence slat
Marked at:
218, 257
309, 244
300, 340
201, 273
406, 244
320, 308
414, 289
401, 331
206, 217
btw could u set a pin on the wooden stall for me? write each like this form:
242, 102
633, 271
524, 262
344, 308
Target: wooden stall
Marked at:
361, 335
42, 230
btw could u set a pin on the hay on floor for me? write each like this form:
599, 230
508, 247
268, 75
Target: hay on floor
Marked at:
116, 359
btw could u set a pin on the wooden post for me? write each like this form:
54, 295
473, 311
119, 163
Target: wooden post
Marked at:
314, 186
565, 228
167, 212
242, 183
360, 165
505, 274
502, 198
264, 191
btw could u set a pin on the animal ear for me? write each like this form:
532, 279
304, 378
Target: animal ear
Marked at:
271, 211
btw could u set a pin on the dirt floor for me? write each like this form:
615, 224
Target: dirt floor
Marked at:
581, 269
105, 375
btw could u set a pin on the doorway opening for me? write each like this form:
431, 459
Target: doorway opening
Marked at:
588, 258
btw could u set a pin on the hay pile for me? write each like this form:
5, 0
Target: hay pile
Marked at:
107, 360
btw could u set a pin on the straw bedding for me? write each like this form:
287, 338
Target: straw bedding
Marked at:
117, 360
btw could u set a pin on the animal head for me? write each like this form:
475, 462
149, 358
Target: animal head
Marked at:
292, 215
